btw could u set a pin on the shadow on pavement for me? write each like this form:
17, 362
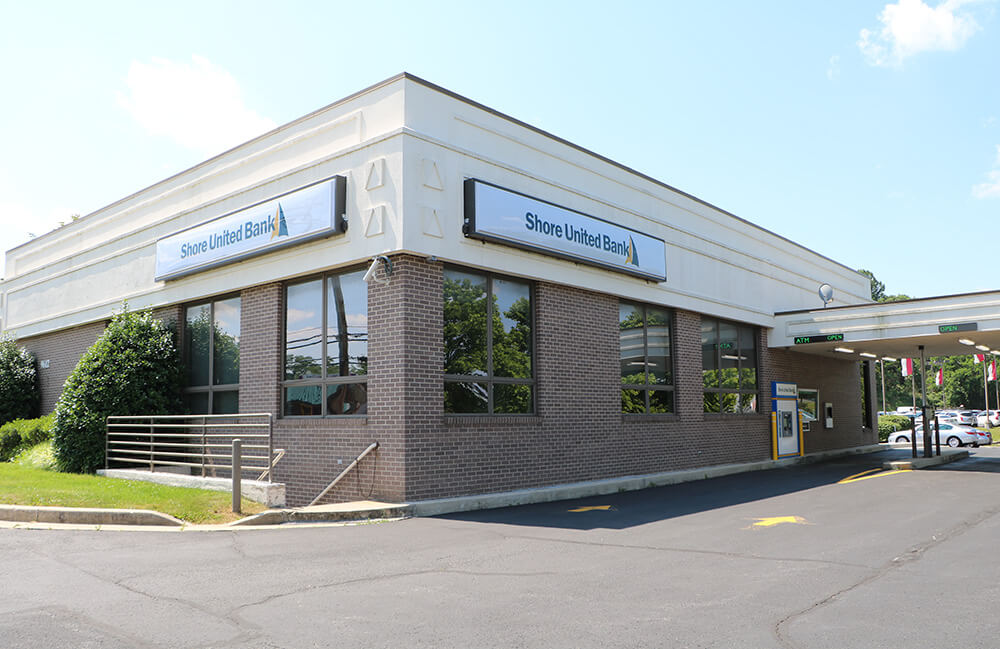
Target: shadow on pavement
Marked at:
632, 508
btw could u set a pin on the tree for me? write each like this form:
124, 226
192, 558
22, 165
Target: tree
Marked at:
18, 382
878, 289
132, 369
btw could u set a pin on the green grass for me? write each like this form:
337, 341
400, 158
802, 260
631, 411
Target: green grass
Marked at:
26, 485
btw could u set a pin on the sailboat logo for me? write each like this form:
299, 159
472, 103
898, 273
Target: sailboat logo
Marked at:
632, 255
279, 228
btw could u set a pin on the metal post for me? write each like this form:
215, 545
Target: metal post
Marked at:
204, 448
913, 434
986, 388
923, 401
881, 365
937, 435
270, 443
237, 471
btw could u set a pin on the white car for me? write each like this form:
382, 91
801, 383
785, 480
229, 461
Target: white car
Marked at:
953, 435
988, 418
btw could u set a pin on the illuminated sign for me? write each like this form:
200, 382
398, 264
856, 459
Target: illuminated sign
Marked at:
827, 338
503, 216
955, 328
302, 215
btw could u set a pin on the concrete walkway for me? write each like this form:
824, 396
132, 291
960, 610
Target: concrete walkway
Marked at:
362, 511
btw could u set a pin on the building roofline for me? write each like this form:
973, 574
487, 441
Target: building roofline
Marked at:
463, 99
868, 304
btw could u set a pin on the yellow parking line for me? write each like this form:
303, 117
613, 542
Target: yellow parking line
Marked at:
771, 521
594, 508
874, 473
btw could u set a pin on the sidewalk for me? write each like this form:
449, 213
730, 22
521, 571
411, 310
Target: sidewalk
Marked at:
897, 457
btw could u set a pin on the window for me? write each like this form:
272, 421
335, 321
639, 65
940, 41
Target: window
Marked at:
728, 366
212, 357
808, 407
487, 344
646, 367
326, 346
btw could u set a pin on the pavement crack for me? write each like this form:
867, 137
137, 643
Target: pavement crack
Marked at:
715, 553
369, 579
915, 553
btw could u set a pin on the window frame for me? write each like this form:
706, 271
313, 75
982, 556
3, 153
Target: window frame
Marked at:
739, 390
815, 399
323, 381
490, 378
647, 386
209, 388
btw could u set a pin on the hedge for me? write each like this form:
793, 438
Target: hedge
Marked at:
132, 369
21, 434
19, 395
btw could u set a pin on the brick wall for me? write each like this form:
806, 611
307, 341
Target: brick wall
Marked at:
838, 382
578, 431
62, 349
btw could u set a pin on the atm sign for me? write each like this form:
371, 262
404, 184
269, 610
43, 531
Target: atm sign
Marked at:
828, 338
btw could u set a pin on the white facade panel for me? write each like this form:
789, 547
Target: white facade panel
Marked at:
406, 149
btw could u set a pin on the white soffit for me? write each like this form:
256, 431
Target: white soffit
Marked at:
894, 329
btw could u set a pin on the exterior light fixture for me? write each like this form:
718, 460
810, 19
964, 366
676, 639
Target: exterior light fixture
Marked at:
889, 359
843, 350
983, 348
868, 355
966, 341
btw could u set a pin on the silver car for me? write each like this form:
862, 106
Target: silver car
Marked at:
952, 434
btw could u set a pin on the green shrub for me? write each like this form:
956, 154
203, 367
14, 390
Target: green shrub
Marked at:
889, 424
132, 369
18, 382
21, 434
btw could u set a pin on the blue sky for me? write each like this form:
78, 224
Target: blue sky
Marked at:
866, 131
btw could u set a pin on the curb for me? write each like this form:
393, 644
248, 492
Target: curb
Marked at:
384, 511
86, 516
280, 516
924, 462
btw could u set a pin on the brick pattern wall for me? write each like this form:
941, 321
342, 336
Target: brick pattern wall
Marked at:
62, 349
577, 432
838, 382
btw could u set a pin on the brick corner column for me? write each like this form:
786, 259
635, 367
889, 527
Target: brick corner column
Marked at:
261, 325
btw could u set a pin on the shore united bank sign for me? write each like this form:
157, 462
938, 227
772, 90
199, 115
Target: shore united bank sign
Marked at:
296, 217
503, 216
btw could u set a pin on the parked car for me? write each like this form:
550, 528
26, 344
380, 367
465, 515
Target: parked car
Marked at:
953, 435
988, 418
966, 417
985, 437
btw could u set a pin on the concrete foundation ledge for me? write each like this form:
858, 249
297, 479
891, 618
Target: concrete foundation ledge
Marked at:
271, 494
924, 462
85, 516
615, 485
340, 512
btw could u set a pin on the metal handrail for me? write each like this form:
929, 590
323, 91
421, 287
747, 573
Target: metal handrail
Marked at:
356, 462
184, 441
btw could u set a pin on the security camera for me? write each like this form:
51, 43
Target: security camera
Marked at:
373, 269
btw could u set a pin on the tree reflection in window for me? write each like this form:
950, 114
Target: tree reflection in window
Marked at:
487, 344
729, 366
326, 346
645, 359
212, 356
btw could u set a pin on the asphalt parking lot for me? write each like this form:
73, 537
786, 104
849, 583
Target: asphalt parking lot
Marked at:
838, 554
